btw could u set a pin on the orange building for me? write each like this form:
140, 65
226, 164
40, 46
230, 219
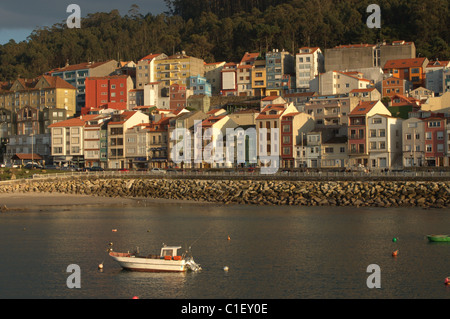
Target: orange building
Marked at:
412, 70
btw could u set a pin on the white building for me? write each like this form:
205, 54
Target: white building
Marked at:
309, 63
337, 82
385, 141
67, 139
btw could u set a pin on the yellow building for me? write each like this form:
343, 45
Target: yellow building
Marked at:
259, 78
176, 69
40, 93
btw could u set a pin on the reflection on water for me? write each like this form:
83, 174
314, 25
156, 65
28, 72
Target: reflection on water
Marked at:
273, 252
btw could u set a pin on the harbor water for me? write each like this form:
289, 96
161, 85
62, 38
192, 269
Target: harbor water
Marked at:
270, 252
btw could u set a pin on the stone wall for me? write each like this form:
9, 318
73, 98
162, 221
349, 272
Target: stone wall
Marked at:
255, 192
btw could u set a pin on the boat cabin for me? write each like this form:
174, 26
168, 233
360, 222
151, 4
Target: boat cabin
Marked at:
170, 251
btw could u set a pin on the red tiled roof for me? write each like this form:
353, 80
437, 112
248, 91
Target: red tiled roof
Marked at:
404, 63
363, 108
151, 56
76, 121
24, 156
80, 66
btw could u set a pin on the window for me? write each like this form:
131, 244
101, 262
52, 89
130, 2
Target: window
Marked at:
382, 145
408, 136
434, 124
440, 135
428, 135
373, 145
329, 150
429, 148
382, 133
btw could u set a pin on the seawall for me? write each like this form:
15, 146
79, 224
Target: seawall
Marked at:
424, 194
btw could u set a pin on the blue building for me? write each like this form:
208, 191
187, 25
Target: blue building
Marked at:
199, 85
76, 75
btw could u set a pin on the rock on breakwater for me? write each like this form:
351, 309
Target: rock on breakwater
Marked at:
303, 193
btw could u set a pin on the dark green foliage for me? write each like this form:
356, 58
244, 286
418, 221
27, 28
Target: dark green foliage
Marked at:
223, 30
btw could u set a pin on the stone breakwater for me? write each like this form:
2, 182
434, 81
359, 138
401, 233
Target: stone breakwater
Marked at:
303, 193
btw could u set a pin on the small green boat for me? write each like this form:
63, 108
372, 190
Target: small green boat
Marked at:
439, 238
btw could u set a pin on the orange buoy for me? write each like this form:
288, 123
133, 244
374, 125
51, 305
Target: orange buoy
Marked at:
229, 237
135, 297
114, 230
447, 281
395, 253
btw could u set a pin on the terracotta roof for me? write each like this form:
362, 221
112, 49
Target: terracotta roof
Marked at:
76, 121
24, 156
311, 50
249, 57
80, 66
352, 76
57, 82
404, 63
125, 116
436, 64
151, 56
290, 114
363, 108
210, 121
270, 98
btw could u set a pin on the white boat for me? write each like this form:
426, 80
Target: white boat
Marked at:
167, 261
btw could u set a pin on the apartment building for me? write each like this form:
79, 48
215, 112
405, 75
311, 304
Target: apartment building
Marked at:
333, 152
358, 56
392, 86
385, 141
229, 79
117, 142
358, 137
213, 74
107, 92
435, 134
412, 70
146, 70
413, 142
269, 144
76, 76
40, 93
177, 68
331, 110
337, 82
96, 142
278, 63
67, 140
293, 127
309, 63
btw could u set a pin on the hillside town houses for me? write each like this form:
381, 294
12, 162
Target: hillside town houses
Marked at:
376, 107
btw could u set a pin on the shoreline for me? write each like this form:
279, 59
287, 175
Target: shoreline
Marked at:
37, 201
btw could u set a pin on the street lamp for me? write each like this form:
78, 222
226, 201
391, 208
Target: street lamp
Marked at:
32, 150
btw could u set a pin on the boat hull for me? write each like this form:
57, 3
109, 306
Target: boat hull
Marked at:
438, 238
144, 264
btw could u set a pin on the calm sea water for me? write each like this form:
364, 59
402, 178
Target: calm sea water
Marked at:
274, 252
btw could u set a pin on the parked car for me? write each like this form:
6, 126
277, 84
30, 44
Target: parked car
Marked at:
33, 165
52, 167
124, 170
158, 171
96, 169
70, 168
